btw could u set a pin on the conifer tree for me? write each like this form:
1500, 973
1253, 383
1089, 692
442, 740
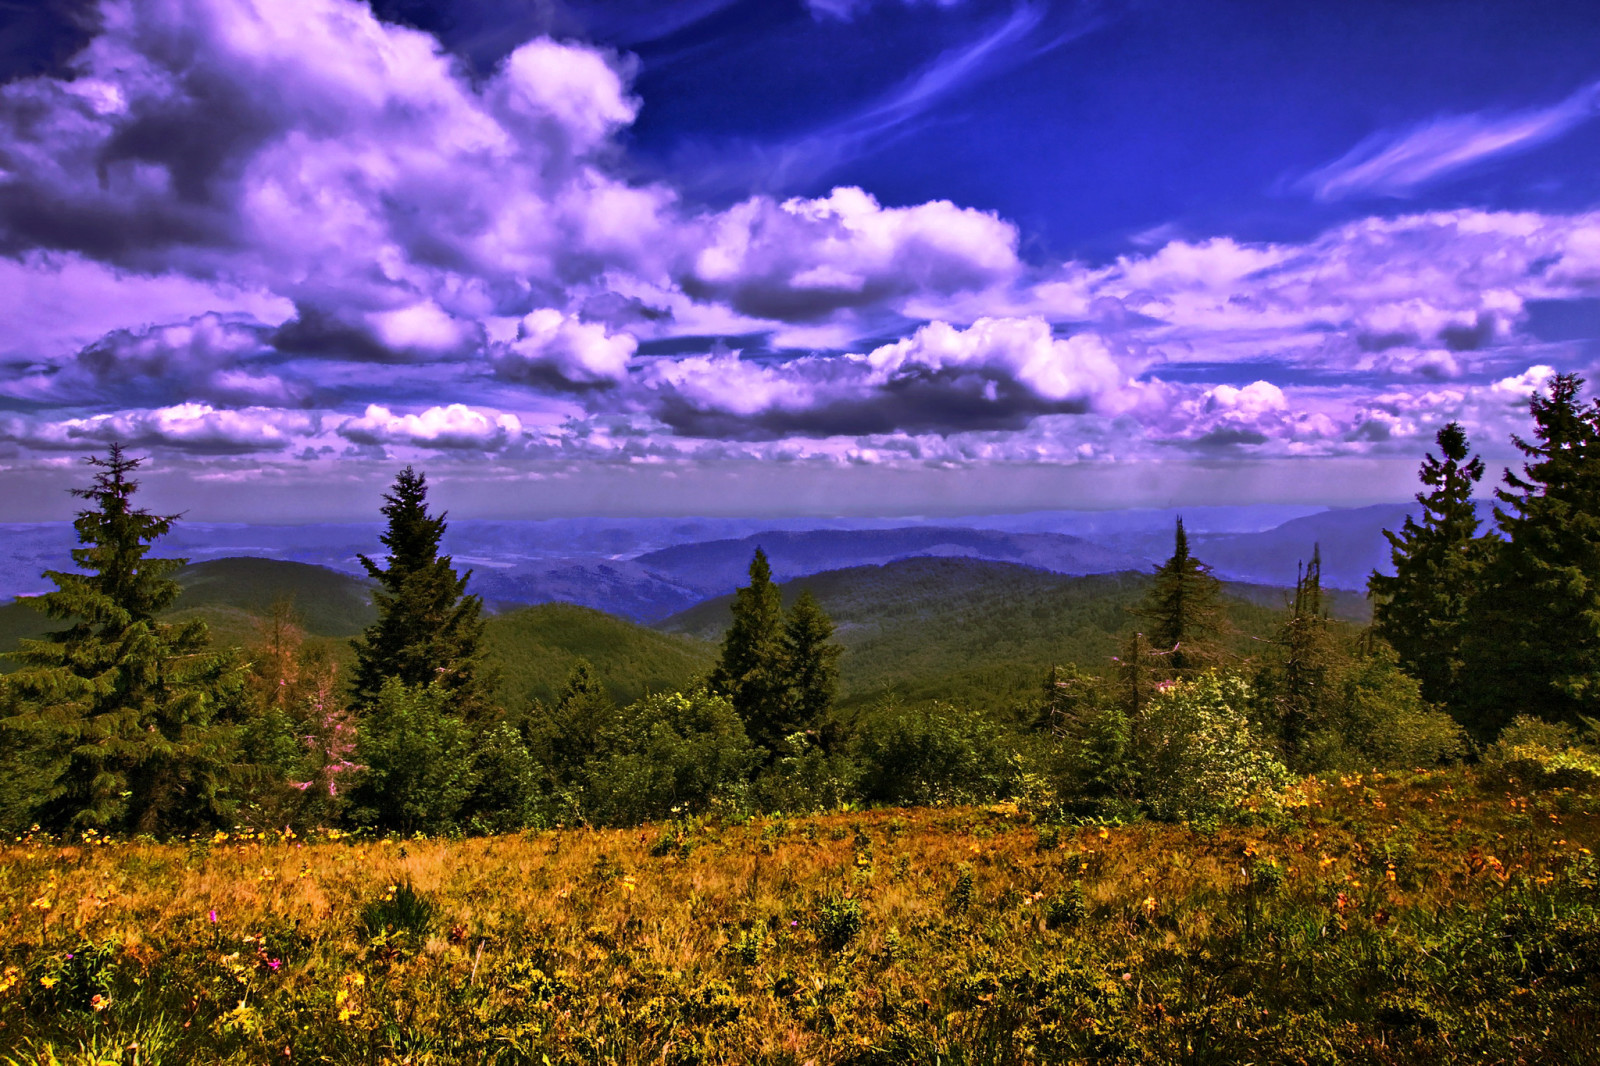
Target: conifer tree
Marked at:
812, 660
751, 670
1181, 609
144, 719
428, 627
1438, 565
1534, 639
1300, 686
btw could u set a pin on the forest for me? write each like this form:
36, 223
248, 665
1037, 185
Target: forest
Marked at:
1225, 832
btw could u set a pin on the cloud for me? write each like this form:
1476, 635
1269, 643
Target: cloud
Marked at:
552, 348
847, 10
208, 357
311, 149
996, 374
802, 260
455, 426
194, 427
874, 126
1398, 163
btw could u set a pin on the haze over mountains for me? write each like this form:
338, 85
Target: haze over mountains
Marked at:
647, 569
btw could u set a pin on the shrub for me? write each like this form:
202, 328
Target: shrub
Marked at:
838, 921
936, 753
506, 793
1543, 755
1198, 750
805, 778
1379, 719
670, 750
401, 911
417, 758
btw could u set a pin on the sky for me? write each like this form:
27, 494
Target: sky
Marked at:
785, 256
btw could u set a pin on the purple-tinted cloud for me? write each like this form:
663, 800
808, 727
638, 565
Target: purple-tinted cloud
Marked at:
454, 426
558, 350
194, 427
803, 260
999, 373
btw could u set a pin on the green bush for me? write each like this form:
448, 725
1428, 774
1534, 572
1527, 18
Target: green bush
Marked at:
674, 750
1199, 753
1379, 719
806, 778
935, 753
1542, 755
838, 921
400, 912
417, 760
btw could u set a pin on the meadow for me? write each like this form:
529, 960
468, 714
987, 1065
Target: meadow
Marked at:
1420, 917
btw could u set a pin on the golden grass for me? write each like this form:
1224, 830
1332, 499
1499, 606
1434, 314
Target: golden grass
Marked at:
709, 942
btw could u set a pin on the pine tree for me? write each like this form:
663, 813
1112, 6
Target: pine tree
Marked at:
1182, 609
751, 671
143, 717
1300, 686
1438, 566
428, 627
1533, 645
813, 663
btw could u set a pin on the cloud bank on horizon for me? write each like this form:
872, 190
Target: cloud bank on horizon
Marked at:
285, 239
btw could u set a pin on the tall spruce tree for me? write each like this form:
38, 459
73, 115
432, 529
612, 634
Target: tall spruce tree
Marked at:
1181, 609
752, 672
1533, 643
143, 720
1438, 565
1299, 686
812, 659
428, 627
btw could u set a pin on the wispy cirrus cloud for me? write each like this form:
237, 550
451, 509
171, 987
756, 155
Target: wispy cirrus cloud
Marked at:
846, 10
1028, 32
1392, 163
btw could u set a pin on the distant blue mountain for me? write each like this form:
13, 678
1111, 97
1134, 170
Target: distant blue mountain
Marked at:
648, 568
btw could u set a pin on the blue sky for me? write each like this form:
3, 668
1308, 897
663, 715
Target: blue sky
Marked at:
837, 256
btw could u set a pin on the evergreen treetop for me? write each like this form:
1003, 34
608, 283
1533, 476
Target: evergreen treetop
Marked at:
813, 661
139, 712
1182, 608
428, 627
1438, 565
1534, 637
751, 669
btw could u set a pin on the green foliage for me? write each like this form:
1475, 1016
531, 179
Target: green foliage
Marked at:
531, 652
1543, 754
1198, 752
418, 761
138, 720
1092, 731
811, 661
674, 750
428, 628
838, 921
1438, 565
506, 795
932, 753
401, 912
751, 671
1182, 610
804, 777
1378, 719
1533, 645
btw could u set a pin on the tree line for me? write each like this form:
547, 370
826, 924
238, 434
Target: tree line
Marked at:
124, 722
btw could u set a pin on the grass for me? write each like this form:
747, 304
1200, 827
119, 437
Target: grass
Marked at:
1416, 919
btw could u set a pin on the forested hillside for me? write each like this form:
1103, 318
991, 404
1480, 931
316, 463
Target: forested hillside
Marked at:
531, 652
984, 633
